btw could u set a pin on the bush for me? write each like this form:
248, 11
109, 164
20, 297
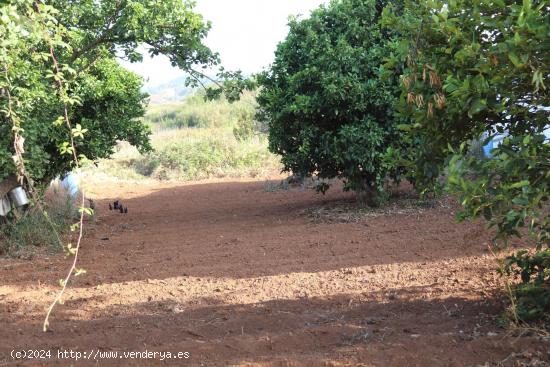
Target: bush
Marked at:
35, 229
473, 68
329, 109
245, 127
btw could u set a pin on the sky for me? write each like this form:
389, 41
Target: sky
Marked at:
244, 32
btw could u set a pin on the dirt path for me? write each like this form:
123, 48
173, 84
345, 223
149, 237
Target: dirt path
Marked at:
235, 275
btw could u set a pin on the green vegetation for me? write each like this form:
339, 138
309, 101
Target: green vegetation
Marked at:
191, 154
70, 47
462, 59
475, 67
329, 111
35, 229
196, 112
195, 140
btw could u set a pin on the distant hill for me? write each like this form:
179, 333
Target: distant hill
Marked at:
172, 91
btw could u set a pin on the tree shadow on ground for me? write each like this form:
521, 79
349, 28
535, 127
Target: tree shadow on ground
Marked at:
339, 330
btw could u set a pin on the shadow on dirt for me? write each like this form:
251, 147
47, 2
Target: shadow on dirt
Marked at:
313, 332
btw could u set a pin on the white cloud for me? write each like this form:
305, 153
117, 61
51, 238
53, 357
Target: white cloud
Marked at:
244, 32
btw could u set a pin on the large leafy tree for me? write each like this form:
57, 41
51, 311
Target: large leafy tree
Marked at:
329, 109
168, 27
478, 68
85, 37
472, 67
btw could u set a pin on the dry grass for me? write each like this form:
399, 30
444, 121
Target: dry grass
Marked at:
355, 211
33, 228
189, 154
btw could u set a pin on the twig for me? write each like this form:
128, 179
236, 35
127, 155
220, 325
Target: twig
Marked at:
77, 164
507, 285
68, 277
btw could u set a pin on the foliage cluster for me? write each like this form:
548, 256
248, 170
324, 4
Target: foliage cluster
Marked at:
328, 106
477, 67
189, 154
472, 67
102, 97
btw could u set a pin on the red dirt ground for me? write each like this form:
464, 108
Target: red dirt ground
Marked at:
238, 276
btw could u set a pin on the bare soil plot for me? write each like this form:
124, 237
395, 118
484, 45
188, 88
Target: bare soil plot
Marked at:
236, 275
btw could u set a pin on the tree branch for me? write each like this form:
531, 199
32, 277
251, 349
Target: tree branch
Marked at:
104, 37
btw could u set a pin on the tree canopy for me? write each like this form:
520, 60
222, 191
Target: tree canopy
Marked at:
330, 110
84, 38
474, 69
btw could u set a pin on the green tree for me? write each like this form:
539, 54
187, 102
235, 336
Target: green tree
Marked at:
104, 99
329, 108
476, 67
472, 67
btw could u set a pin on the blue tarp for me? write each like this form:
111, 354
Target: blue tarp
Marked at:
497, 140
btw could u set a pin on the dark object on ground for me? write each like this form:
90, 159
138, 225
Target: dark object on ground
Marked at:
104, 238
121, 209
110, 206
92, 204
116, 204
126, 210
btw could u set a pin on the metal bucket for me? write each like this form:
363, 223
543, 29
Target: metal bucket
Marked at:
19, 197
5, 206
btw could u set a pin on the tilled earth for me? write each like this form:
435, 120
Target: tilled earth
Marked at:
236, 275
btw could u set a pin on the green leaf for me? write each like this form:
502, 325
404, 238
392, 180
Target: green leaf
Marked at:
477, 106
520, 184
515, 60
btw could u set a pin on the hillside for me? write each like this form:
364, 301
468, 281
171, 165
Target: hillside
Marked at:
172, 91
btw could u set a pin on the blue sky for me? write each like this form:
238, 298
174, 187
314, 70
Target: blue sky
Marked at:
244, 32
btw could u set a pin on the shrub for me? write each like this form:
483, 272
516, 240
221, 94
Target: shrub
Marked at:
36, 229
479, 67
329, 109
245, 127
